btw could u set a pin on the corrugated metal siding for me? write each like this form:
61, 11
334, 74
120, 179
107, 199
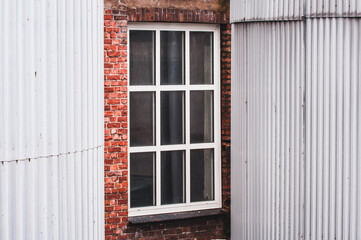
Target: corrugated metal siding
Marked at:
333, 8
333, 130
267, 135
51, 119
251, 10
50, 70
239, 134
296, 135
58, 197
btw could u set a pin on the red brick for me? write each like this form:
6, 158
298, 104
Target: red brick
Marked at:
114, 53
108, 17
113, 101
113, 77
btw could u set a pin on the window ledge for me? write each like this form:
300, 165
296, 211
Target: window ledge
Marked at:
175, 216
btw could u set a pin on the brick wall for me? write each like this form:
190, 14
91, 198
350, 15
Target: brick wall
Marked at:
116, 131
226, 113
116, 114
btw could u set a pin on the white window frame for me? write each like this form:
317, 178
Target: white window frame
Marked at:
216, 145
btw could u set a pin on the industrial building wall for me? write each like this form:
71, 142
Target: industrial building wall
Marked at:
117, 222
296, 114
51, 120
267, 134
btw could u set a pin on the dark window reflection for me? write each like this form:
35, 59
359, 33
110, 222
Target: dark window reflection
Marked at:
201, 57
173, 177
142, 179
142, 49
172, 114
172, 57
201, 116
142, 112
202, 177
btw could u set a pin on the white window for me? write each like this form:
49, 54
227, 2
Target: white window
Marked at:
174, 118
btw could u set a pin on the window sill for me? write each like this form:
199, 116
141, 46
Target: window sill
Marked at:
175, 216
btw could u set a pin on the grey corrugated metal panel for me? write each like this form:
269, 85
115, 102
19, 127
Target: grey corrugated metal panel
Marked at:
50, 78
302, 165
333, 129
333, 8
63, 202
239, 135
250, 10
267, 135
51, 120
263, 10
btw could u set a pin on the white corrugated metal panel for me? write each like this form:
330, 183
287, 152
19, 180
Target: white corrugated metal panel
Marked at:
333, 142
300, 166
251, 10
263, 10
51, 119
333, 8
267, 134
58, 197
50, 71
239, 133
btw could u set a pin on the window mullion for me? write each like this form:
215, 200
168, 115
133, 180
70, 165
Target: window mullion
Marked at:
157, 118
187, 118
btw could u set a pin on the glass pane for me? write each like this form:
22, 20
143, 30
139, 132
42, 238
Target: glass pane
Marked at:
172, 57
201, 116
173, 177
202, 177
142, 57
172, 114
142, 132
201, 58
142, 179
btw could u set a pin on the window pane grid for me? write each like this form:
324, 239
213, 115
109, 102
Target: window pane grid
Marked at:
187, 147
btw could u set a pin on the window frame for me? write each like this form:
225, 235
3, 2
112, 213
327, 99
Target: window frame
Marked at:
157, 88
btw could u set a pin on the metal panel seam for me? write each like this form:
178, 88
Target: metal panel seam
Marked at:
53, 155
